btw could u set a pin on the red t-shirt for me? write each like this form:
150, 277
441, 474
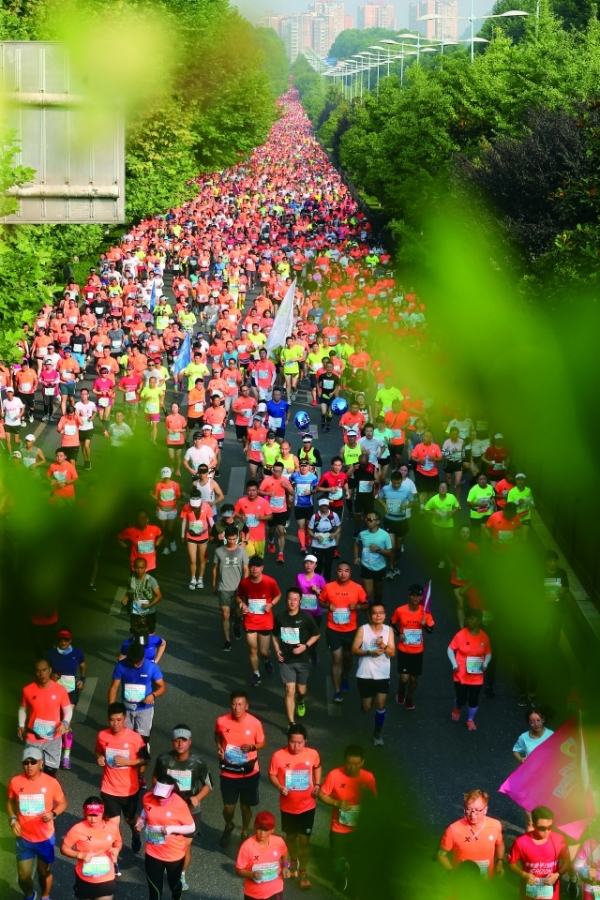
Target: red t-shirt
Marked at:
256, 595
342, 618
341, 786
336, 484
539, 859
470, 651
295, 771
143, 544
424, 453
502, 531
411, 628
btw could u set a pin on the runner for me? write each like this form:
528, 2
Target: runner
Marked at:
397, 499
231, 565
311, 584
238, 736
167, 492
44, 716
474, 838
442, 508
33, 803
295, 771
409, 621
481, 501
143, 540
263, 861
142, 596
426, 454
470, 653
375, 547
175, 424
535, 735
13, 410
254, 511
294, 633
256, 596
278, 491
328, 386
342, 598
324, 530
303, 483
374, 646
95, 843
522, 497
86, 411
196, 522
69, 670
166, 822
540, 857
343, 789
120, 753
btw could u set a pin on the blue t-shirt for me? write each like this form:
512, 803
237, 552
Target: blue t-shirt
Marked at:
66, 665
394, 500
153, 642
277, 411
372, 559
136, 681
297, 480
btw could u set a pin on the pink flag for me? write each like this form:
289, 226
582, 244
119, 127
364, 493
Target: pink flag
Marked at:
555, 775
427, 598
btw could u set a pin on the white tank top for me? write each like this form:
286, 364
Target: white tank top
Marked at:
375, 667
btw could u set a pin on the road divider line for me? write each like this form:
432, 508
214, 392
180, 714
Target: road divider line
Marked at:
117, 604
85, 698
334, 710
237, 481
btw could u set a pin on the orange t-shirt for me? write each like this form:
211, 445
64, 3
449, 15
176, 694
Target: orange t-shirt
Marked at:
265, 858
46, 705
175, 424
341, 596
58, 474
99, 841
232, 734
426, 464
167, 494
470, 651
34, 797
250, 509
341, 786
458, 839
502, 530
295, 771
277, 499
168, 847
119, 781
411, 628
195, 403
396, 422
68, 428
143, 543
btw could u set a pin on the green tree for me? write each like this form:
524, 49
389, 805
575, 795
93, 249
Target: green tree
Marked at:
275, 62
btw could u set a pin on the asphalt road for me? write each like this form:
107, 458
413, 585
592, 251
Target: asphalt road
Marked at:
426, 756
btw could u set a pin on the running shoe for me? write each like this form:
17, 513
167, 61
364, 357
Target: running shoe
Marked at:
345, 684
87, 466
225, 838
409, 703
166, 551
199, 582
142, 781
337, 698
136, 842
118, 872
390, 575
271, 547
184, 885
314, 403
255, 680
341, 879
269, 667
401, 695
294, 867
304, 882
280, 558
173, 546
301, 708
226, 648
471, 725
377, 739
237, 630
192, 584
66, 762
455, 714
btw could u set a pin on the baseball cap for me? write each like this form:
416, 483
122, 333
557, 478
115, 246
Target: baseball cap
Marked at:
30, 437
166, 472
415, 589
16, 454
323, 501
207, 427
163, 791
520, 475
270, 434
307, 437
352, 432
310, 558
265, 820
227, 509
64, 633
9, 388
498, 437
31, 753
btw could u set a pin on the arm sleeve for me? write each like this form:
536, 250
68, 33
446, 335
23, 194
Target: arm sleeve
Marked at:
181, 829
452, 657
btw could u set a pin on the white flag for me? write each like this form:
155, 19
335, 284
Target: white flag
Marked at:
283, 321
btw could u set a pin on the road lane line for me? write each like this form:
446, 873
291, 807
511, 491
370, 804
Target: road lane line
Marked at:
85, 698
237, 482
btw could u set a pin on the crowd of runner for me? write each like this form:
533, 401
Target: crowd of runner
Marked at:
174, 330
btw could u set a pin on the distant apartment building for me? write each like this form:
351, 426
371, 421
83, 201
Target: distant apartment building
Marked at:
443, 28
271, 20
348, 22
376, 15
314, 30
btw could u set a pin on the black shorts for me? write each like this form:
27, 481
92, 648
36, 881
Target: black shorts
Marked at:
243, 789
195, 424
87, 890
298, 823
279, 518
303, 512
339, 640
364, 503
372, 574
12, 429
241, 432
426, 484
397, 527
71, 452
410, 663
370, 687
326, 401
114, 806
280, 432
313, 380
384, 460
86, 435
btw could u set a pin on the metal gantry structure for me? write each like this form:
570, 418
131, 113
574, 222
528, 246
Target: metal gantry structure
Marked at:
384, 53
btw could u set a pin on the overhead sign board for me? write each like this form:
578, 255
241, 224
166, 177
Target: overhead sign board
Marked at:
79, 169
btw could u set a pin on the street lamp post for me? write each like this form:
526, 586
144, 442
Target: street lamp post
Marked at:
472, 18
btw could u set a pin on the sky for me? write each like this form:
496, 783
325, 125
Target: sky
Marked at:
253, 9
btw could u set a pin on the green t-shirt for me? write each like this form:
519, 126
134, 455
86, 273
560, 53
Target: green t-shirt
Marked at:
194, 371
152, 396
442, 506
485, 498
523, 500
386, 396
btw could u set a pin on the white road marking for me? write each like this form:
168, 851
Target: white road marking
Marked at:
237, 482
85, 698
333, 709
117, 605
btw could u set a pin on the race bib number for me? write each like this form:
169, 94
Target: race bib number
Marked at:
257, 607
174, 435
145, 546
183, 777
70, 430
251, 520
349, 817
32, 805
167, 495
97, 866
427, 465
110, 753
154, 835
365, 487
235, 755
303, 490
484, 866
268, 871
26, 387
336, 494
196, 527
134, 693
277, 502
275, 422
151, 407
328, 384
44, 729
60, 476
474, 665
413, 636
198, 407
130, 396
540, 891
341, 615
505, 536
290, 635
103, 401
370, 558
297, 779
309, 602
68, 682
49, 391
